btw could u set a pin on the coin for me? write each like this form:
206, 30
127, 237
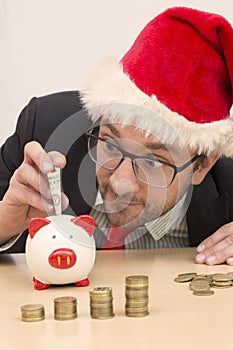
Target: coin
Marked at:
137, 281
221, 277
32, 312
199, 285
230, 274
222, 285
207, 278
137, 314
203, 292
185, 277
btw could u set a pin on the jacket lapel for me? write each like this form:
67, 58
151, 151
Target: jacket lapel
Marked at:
208, 211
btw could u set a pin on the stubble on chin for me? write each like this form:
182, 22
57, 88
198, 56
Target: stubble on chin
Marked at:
125, 214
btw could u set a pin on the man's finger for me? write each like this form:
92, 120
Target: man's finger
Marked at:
45, 162
216, 237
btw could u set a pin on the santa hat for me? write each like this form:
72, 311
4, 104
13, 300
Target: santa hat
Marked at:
177, 76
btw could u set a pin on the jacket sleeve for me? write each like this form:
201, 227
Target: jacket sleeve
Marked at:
11, 156
11, 152
37, 121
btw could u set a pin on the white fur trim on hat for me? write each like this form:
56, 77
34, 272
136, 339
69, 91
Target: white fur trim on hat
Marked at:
111, 93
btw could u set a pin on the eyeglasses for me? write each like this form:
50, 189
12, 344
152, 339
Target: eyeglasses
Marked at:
148, 170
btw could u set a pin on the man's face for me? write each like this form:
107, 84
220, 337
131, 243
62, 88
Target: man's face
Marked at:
127, 201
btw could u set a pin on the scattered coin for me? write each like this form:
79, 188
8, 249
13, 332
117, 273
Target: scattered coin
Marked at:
221, 277
231, 274
32, 312
199, 285
65, 308
221, 285
203, 292
185, 277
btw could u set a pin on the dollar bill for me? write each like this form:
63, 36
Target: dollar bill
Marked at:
54, 178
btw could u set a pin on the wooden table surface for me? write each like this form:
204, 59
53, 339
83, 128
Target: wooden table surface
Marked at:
177, 320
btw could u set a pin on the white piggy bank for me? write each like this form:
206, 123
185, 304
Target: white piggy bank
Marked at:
60, 250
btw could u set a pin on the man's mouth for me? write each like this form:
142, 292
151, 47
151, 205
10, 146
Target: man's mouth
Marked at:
127, 202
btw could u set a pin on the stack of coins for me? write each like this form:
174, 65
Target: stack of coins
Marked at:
32, 312
201, 286
221, 280
101, 306
65, 308
136, 293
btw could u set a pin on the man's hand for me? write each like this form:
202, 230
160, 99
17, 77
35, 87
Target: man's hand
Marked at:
28, 194
217, 248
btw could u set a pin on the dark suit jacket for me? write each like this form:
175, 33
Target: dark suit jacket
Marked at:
58, 122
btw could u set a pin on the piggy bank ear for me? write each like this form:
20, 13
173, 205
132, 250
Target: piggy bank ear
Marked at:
35, 224
86, 222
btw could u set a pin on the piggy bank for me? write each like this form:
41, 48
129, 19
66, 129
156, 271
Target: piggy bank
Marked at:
60, 250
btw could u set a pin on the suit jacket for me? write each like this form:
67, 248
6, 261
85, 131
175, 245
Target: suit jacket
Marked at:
58, 122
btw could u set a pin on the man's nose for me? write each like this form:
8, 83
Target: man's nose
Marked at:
123, 179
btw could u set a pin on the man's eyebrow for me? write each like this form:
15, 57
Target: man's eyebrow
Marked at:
153, 146
112, 128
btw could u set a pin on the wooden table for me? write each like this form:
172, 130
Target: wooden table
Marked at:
177, 320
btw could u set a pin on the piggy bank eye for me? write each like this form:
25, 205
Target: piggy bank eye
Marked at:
71, 237
53, 236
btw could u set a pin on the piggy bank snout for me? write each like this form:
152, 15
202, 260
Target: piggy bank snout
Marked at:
62, 258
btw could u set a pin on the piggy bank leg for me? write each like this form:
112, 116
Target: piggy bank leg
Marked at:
39, 285
82, 283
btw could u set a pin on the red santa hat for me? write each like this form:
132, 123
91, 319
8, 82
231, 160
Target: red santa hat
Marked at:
177, 76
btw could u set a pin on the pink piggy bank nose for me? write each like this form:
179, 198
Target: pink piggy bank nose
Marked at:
62, 258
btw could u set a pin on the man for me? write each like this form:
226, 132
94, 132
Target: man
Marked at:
148, 128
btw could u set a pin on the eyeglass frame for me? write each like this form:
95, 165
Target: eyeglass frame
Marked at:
132, 157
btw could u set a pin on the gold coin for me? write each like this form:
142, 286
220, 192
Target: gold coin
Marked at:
230, 274
199, 285
207, 278
65, 317
136, 304
97, 317
137, 280
221, 285
62, 310
221, 277
203, 292
142, 314
185, 277
137, 289
101, 307
65, 300
101, 291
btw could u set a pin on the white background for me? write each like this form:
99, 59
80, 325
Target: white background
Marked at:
53, 45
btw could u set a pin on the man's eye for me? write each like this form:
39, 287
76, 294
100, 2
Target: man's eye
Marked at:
110, 147
151, 164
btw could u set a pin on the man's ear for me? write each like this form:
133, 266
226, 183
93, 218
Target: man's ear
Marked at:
204, 167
